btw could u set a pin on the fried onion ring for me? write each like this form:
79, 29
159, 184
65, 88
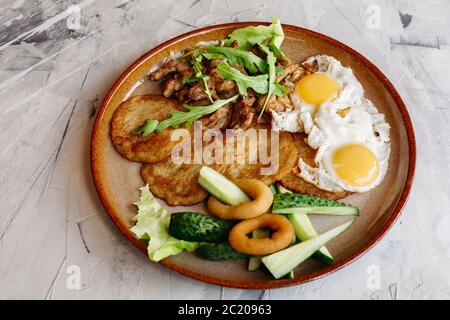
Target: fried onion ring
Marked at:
262, 200
280, 239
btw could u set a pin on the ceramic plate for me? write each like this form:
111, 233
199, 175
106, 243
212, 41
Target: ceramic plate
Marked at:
117, 180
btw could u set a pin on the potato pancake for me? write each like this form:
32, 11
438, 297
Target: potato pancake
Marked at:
282, 161
131, 114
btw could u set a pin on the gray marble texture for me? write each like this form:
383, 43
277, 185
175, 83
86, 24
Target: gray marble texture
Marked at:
58, 61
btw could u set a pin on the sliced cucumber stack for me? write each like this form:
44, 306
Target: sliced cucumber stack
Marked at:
301, 203
220, 187
282, 262
304, 230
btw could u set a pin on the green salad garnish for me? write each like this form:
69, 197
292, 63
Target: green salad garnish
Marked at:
249, 58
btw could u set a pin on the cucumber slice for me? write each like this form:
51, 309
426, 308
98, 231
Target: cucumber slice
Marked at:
301, 203
273, 189
255, 262
304, 230
220, 187
218, 252
282, 189
290, 275
282, 262
197, 227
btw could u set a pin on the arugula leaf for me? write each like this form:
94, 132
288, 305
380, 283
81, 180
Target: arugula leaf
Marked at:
146, 128
279, 71
179, 117
257, 83
199, 75
272, 74
187, 79
280, 90
247, 59
271, 35
194, 113
194, 52
211, 56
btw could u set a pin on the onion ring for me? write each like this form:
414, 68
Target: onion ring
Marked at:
262, 200
280, 239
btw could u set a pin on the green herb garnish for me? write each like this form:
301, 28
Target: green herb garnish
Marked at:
179, 117
271, 60
199, 75
146, 128
274, 86
247, 59
271, 35
257, 83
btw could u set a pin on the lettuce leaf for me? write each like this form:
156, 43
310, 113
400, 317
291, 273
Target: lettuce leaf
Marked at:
152, 223
271, 36
257, 83
247, 59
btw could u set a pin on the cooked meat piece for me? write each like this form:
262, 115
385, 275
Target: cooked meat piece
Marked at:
288, 70
240, 68
275, 103
182, 95
214, 63
294, 72
285, 102
219, 119
202, 102
197, 92
224, 88
171, 85
311, 68
226, 85
180, 66
243, 112
228, 88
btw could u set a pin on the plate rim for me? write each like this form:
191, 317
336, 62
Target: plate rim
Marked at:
261, 284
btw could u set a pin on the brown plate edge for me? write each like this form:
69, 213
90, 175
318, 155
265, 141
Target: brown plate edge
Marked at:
262, 284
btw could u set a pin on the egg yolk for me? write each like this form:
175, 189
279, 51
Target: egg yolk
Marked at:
356, 164
317, 88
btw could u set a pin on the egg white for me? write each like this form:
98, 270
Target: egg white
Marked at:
363, 125
328, 130
351, 91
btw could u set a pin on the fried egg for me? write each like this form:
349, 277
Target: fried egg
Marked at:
350, 135
331, 82
353, 147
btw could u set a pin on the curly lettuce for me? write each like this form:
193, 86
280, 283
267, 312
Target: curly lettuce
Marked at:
152, 224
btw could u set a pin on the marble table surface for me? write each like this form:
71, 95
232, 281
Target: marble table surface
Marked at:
58, 58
